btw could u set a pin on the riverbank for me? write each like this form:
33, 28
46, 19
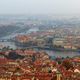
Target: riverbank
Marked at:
51, 52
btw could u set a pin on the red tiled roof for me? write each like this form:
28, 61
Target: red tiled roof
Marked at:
29, 52
3, 61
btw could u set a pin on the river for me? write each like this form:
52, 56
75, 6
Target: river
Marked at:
49, 52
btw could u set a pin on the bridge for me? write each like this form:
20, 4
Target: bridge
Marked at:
5, 40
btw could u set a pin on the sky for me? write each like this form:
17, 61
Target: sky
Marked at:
40, 7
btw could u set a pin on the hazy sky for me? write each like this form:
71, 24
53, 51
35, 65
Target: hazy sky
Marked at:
39, 6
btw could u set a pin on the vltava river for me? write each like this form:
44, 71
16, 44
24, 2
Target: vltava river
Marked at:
49, 52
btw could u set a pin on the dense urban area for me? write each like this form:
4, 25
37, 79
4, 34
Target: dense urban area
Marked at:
39, 48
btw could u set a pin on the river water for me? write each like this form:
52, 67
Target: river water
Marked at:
63, 53
10, 44
49, 52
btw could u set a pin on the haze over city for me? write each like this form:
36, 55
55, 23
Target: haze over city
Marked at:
39, 39
63, 7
